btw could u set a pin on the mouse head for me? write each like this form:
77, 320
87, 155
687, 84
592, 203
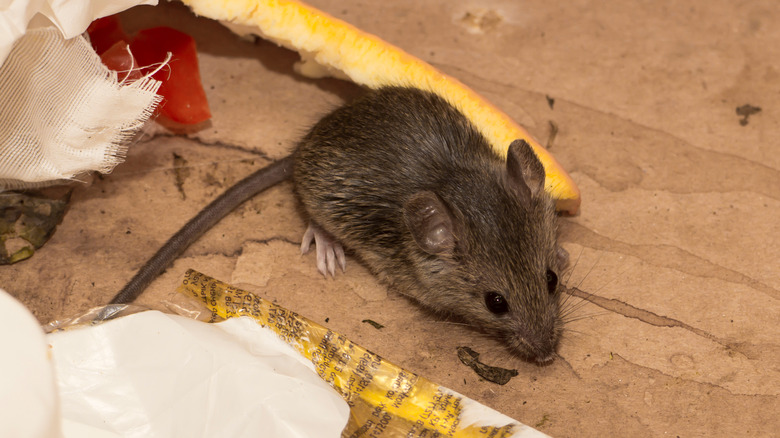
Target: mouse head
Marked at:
490, 256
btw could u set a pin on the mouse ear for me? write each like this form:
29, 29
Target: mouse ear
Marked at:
525, 171
430, 222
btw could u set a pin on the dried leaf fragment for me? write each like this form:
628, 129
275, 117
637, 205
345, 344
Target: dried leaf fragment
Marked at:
493, 374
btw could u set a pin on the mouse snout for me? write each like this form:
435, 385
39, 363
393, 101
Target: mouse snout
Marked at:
538, 345
544, 351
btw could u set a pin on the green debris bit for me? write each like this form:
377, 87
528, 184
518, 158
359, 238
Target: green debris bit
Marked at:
26, 223
373, 323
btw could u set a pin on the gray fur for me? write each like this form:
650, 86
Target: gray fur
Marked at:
356, 171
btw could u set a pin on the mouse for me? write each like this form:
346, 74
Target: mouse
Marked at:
403, 181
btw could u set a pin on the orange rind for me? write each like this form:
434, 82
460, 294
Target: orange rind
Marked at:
329, 46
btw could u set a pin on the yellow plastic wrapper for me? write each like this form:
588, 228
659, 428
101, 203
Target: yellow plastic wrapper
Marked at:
385, 400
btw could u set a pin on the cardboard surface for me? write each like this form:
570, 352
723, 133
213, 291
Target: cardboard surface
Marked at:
677, 239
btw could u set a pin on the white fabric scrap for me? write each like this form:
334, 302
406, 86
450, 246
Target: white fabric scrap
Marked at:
62, 112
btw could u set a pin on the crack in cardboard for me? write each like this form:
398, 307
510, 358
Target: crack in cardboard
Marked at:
748, 182
201, 142
648, 317
747, 175
685, 175
769, 397
273, 239
738, 158
670, 257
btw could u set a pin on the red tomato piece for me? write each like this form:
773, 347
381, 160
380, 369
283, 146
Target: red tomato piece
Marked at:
119, 59
105, 32
184, 98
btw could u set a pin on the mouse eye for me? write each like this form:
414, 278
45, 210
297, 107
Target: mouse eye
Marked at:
496, 303
552, 281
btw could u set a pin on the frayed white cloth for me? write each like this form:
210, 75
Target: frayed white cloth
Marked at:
62, 112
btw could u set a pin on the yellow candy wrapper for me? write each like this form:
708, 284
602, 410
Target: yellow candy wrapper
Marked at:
384, 399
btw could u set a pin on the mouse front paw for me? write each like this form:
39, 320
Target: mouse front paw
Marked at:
329, 251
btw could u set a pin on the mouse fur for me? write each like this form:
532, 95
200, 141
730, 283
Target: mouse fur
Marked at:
405, 182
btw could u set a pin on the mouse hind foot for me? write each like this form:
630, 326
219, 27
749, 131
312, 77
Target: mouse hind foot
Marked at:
329, 250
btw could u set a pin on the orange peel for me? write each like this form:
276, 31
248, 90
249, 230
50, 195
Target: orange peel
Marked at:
329, 46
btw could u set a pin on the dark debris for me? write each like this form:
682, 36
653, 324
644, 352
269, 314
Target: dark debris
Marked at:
26, 223
493, 374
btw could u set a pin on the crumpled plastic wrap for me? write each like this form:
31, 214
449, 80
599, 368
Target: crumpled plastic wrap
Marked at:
156, 375
150, 374
29, 402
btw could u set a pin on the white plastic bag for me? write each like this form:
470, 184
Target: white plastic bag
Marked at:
156, 375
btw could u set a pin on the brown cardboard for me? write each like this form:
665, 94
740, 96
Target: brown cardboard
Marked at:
677, 239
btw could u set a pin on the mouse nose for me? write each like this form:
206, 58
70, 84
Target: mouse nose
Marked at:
544, 352
540, 345
543, 360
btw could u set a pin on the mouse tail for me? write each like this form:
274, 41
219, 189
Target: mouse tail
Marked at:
250, 186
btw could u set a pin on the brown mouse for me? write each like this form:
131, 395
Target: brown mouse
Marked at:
405, 182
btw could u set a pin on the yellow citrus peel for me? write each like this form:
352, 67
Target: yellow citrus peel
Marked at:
329, 46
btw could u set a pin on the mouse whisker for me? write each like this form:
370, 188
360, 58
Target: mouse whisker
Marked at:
619, 275
572, 314
570, 319
565, 297
570, 335
568, 302
573, 297
570, 271
569, 310
453, 323
587, 274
